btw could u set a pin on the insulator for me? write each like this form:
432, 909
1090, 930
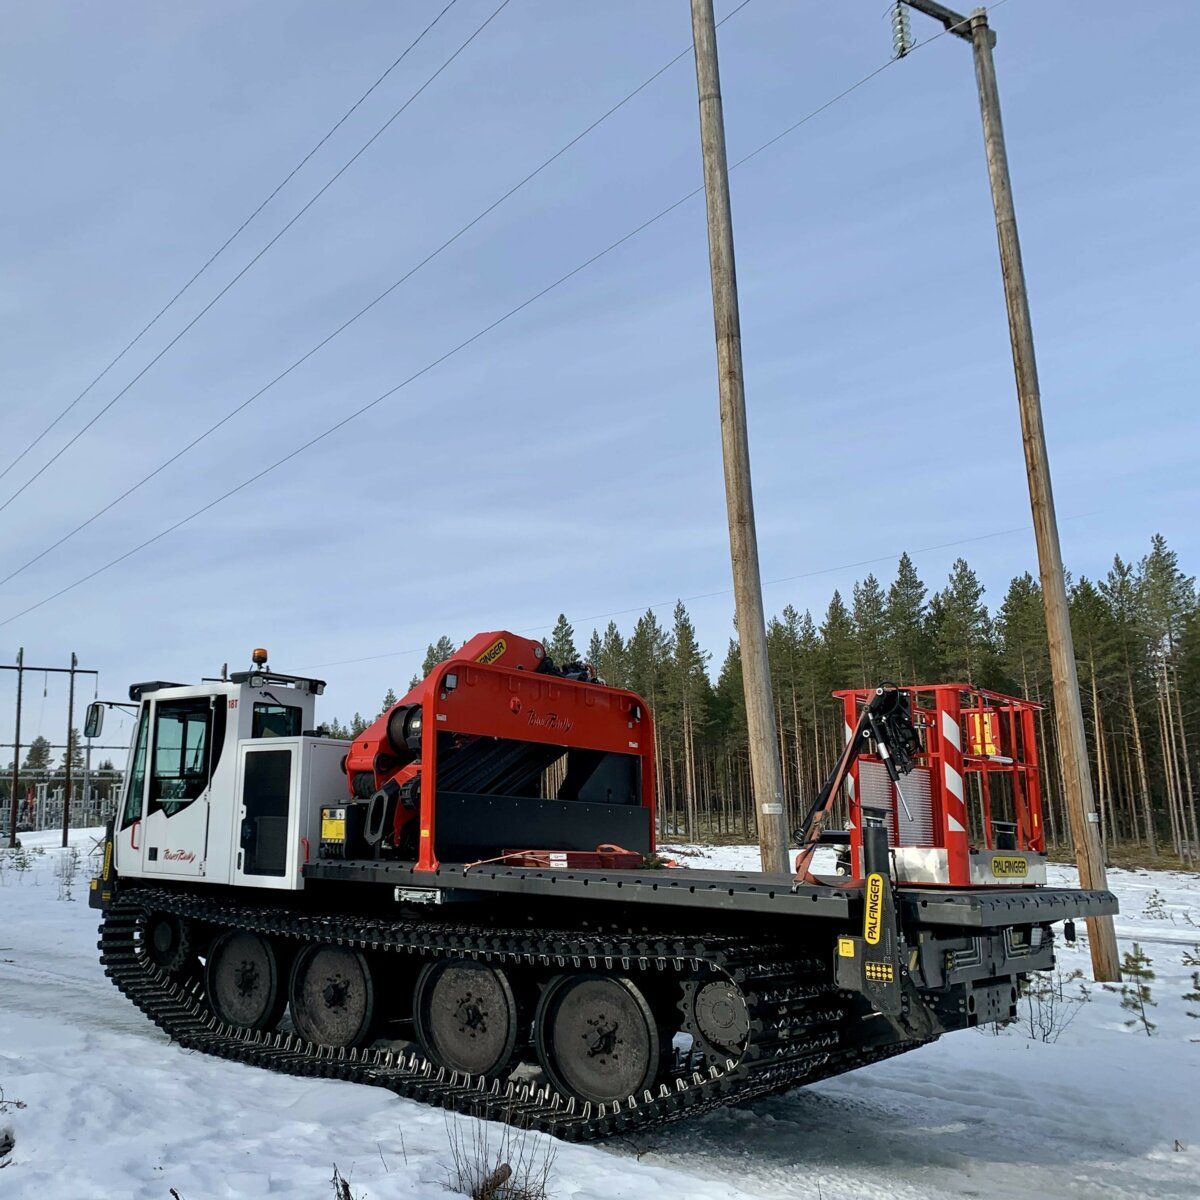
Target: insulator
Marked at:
902, 41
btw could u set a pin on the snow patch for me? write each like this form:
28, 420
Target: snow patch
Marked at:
113, 1109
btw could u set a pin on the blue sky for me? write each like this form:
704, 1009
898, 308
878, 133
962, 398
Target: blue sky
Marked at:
570, 459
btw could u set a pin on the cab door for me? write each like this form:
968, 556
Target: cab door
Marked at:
267, 786
128, 830
184, 749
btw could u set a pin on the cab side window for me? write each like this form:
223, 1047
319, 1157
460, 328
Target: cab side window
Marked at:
184, 756
132, 809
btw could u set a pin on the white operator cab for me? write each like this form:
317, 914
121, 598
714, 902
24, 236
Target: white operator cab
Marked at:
223, 784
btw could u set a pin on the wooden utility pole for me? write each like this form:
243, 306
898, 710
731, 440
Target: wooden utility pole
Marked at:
1068, 714
766, 773
1077, 777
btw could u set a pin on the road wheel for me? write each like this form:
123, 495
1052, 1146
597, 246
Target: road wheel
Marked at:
468, 1017
332, 996
168, 942
715, 1014
242, 981
597, 1038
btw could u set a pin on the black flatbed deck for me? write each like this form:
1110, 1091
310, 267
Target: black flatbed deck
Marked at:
722, 891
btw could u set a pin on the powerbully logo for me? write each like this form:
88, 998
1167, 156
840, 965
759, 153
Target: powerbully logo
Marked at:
179, 856
550, 721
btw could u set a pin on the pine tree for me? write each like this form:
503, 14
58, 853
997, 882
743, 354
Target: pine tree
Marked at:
1168, 600
37, 759
1193, 997
647, 653
595, 650
1169, 595
436, 652
729, 700
389, 701
961, 626
839, 660
1135, 991
688, 696
333, 728
789, 667
358, 725
1121, 592
561, 646
906, 642
869, 610
808, 639
1187, 681
729, 720
76, 753
1095, 650
612, 663
1021, 634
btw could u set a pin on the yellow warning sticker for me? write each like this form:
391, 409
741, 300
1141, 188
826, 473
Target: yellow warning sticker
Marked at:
493, 652
873, 916
845, 947
1010, 866
333, 829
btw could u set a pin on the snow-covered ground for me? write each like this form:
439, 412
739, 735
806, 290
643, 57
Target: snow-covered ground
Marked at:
112, 1109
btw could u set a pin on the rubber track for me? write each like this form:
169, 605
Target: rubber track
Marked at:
800, 1029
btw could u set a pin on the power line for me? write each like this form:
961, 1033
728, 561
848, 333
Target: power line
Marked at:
226, 243
362, 311
329, 183
641, 608
448, 354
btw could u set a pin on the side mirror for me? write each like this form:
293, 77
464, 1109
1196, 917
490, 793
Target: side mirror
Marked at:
95, 720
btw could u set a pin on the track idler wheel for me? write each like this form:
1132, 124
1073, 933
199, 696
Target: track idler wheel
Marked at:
715, 1014
168, 942
597, 1037
242, 980
468, 1017
332, 996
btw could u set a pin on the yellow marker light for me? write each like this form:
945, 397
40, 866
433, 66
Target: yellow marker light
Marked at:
259, 657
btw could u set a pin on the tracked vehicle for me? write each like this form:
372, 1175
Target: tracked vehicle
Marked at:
465, 905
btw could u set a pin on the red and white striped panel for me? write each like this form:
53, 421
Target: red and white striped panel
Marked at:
953, 795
